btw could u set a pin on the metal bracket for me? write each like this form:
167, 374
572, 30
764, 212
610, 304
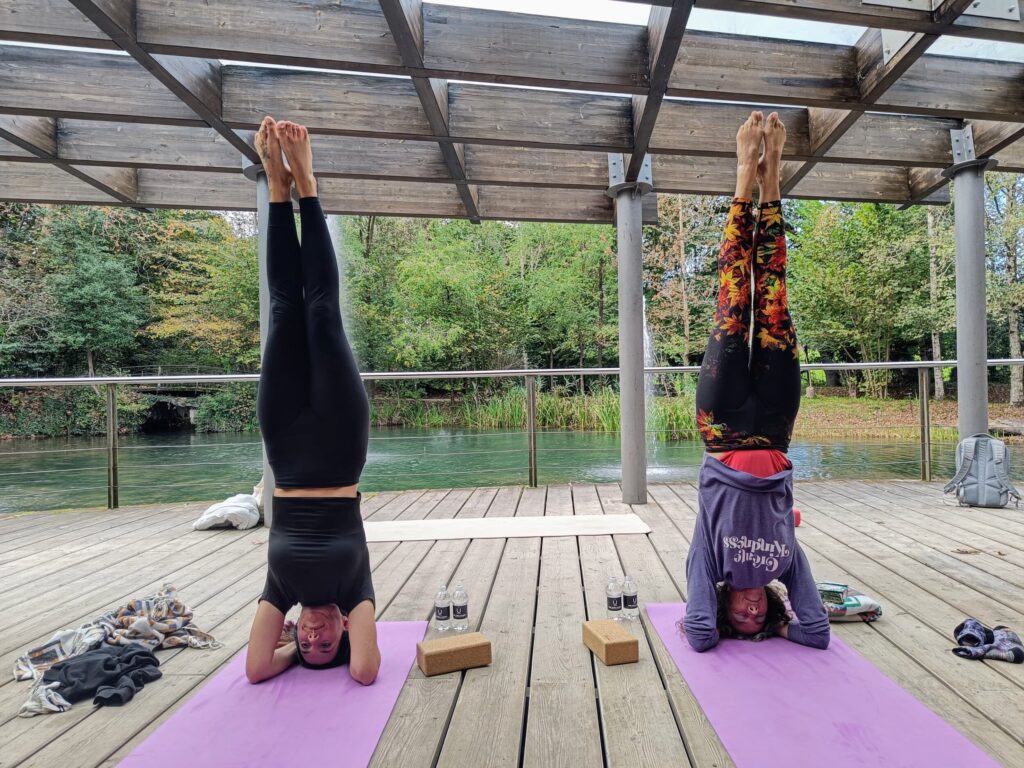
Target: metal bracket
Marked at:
251, 170
995, 9
964, 155
893, 41
617, 177
992, 9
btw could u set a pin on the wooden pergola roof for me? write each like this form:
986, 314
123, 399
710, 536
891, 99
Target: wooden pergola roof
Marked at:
458, 112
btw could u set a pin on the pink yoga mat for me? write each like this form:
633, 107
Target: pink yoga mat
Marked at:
779, 703
302, 715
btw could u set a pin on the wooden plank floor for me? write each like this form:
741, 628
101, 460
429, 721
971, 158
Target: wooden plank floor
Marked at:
544, 701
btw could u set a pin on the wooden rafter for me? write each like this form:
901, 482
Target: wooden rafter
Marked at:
38, 137
877, 71
172, 120
405, 19
196, 82
665, 34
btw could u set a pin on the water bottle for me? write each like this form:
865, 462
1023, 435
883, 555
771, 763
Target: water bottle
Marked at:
614, 592
630, 605
460, 608
443, 609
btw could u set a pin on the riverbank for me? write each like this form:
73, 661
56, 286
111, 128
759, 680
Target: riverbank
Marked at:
82, 412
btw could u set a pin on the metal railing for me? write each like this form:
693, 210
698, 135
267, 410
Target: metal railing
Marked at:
528, 375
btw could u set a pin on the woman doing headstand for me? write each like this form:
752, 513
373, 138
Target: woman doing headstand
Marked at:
314, 418
748, 395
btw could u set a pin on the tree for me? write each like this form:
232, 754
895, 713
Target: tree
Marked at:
680, 274
858, 277
1006, 285
27, 309
101, 309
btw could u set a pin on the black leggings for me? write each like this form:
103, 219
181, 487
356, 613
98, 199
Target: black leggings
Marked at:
748, 393
312, 406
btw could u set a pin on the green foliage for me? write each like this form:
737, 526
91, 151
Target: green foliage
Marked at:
232, 408
859, 277
100, 309
68, 412
119, 290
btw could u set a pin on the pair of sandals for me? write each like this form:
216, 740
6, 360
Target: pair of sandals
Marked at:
976, 641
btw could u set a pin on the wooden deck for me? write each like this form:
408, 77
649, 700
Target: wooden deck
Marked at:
543, 702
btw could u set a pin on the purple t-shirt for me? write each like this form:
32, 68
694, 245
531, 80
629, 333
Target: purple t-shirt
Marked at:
745, 536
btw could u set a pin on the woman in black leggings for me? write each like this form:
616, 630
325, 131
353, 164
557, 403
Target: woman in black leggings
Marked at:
314, 418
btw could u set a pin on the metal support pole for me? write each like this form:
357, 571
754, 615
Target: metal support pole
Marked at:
531, 426
632, 419
926, 424
112, 502
968, 175
257, 174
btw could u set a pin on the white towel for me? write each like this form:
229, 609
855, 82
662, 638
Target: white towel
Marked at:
242, 511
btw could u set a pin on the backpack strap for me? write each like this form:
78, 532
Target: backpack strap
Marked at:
999, 454
966, 459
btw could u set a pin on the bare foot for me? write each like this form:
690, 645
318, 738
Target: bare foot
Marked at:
295, 140
748, 151
279, 175
769, 169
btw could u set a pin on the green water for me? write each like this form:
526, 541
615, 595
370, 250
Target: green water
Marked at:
165, 468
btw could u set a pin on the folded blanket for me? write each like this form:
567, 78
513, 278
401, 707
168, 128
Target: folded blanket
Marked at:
241, 511
157, 622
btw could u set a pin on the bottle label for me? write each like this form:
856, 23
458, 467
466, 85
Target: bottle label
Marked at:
442, 612
460, 611
629, 602
614, 603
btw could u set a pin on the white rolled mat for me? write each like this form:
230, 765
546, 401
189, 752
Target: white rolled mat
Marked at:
504, 527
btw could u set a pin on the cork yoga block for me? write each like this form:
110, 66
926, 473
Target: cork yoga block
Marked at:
447, 654
611, 642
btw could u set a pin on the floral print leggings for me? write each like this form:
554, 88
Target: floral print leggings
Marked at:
748, 393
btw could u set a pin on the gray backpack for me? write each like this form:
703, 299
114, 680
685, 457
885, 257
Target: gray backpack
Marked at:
982, 473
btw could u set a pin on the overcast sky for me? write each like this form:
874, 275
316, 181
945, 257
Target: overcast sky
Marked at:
738, 23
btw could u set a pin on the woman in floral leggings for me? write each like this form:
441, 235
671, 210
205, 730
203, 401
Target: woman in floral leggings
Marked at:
747, 400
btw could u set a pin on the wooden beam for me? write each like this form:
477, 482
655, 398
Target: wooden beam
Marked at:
405, 19
948, 11
61, 83
49, 22
877, 71
992, 137
854, 182
1011, 158
196, 82
925, 183
533, 118
46, 183
741, 68
899, 140
689, 128
136, 145
858, 14
35, 135
704, 128
38, 137
982, 90
525, 49
665, 30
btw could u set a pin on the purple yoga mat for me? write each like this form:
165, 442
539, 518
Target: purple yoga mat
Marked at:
297, 718
779, 703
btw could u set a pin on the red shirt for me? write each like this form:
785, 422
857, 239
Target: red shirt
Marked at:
763, 462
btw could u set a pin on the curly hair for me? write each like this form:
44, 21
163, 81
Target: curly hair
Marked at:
341, 656
777, 613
